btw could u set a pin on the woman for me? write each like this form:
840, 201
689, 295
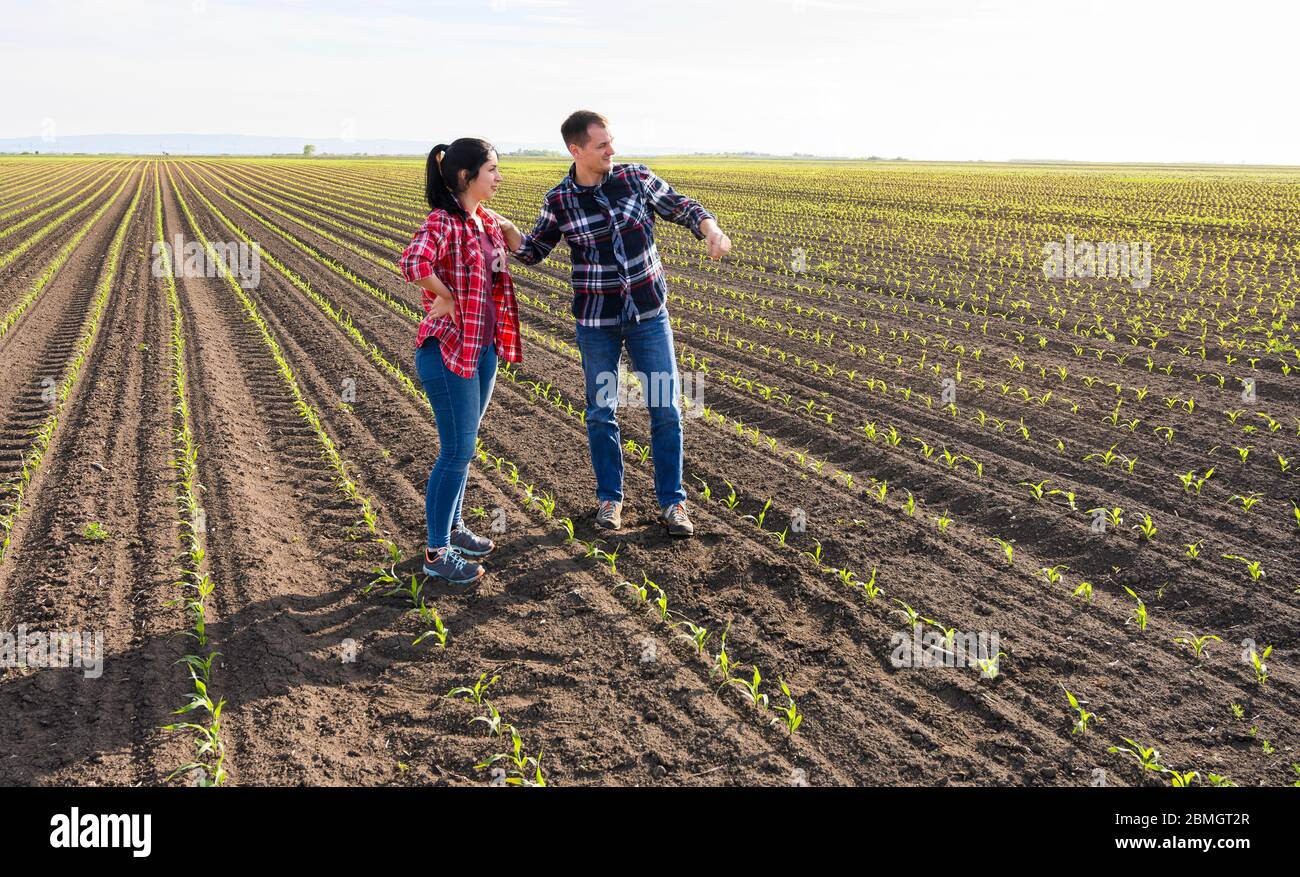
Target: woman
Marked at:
471, 319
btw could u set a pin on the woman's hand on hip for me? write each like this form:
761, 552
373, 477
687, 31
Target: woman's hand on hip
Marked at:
445, 306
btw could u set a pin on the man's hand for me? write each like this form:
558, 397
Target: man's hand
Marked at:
514, 237
715, 239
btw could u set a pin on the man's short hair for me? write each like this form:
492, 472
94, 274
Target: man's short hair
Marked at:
574, 129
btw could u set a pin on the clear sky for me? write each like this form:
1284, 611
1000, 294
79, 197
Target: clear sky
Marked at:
931, 79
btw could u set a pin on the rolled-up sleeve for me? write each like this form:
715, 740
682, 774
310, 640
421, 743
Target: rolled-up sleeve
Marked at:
671, 205
539, 242
427, 248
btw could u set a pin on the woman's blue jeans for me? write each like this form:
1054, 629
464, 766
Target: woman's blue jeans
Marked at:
458, 405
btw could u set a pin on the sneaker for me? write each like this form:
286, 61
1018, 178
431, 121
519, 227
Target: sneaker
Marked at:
447, 563
469, 543
674, 518
610, 514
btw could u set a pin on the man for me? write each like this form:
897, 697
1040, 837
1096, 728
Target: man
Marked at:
606, 212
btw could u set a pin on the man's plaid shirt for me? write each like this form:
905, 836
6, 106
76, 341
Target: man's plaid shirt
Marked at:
616, 276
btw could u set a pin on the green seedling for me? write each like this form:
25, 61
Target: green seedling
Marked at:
1247, 502
1053, 573
1139, 616
791, 717
1036, 491
475, 693
1257, 664
870, 588
1197, 644
722, 663
758, 519
492, 720
816, 554
523, 765
1148, 758
910, 615
697, 637
1008, 548
732, 500
429, 615
1147, 529
1083, 716
750, 689
990, 668
1253, 567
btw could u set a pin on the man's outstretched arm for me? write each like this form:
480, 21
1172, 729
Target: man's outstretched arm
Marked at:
687, 212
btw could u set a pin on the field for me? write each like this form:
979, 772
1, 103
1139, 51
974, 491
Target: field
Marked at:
903, 418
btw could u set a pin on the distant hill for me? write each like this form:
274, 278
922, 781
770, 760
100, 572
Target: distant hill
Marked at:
227, 144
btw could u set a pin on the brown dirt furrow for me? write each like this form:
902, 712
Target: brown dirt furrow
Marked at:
108, 465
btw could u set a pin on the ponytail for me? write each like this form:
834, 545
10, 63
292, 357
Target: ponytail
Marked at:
442, 172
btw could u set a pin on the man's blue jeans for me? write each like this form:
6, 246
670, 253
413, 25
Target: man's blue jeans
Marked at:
458, 405
650, 347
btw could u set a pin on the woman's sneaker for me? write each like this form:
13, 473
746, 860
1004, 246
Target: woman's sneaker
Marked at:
447, 563
469, 543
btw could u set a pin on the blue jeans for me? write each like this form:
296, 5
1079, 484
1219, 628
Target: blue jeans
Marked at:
458, 405
650, 347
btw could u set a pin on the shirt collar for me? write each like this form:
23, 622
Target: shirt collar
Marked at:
572, 179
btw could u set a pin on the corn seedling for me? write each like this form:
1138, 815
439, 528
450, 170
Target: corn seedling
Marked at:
697, 637
791, 717
1197, 644
1148, 758
1146, 529
526, 769
1036, 492
910, 615
1257, 664
750, 689
1008, 548
429, 615
492, 720
991, 668
1053, 573
1082, 715
1139, 616
476, 692
1253, 567
1247, 502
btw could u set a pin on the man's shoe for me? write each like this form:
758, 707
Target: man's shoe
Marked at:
469, 543
447, 563
674, 518
609, 514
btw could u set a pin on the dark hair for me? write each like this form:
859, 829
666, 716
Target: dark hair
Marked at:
574, 129
442, 172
